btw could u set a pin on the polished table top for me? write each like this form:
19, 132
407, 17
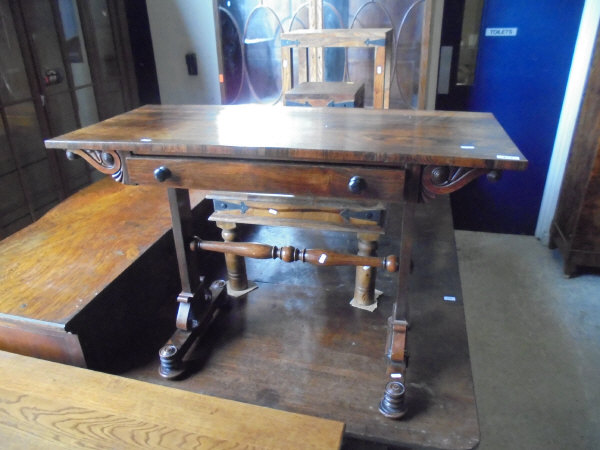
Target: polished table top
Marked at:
323, 135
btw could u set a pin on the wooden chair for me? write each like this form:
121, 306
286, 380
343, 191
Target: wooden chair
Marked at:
380, 39
367, 219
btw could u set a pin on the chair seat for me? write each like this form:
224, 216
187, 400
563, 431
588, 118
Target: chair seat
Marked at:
336, 94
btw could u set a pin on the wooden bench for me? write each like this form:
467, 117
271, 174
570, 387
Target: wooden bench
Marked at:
49, 405
92, 278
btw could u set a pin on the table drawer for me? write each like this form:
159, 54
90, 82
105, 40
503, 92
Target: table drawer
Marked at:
269, 177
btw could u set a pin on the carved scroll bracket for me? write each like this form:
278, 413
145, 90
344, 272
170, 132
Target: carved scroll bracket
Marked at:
108, 162
438, 180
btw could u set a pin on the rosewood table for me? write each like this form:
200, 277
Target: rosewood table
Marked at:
352, 154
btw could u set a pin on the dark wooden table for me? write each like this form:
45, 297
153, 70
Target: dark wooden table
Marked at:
388, 155
295, 344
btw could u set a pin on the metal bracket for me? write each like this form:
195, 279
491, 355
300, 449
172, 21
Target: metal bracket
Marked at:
289, 43
293, 103
185, 297
373, 214
227, 206
376, 42
331, 104
348, 104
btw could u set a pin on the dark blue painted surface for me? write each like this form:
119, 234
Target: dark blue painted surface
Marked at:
522, 81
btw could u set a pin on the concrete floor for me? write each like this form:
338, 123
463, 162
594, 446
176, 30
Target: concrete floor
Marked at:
534, 338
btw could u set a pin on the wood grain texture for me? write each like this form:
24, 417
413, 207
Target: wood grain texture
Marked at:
320, 222
323, 94
424, 59
302, 64
40, 340
339, 90
576, 225
315, 22
54, 406
317, 257
236, 265
286, 69
364, 281
379, 80
267, 177
387, 64
330, 135
380, 39
55, 267
300, 212
341, 37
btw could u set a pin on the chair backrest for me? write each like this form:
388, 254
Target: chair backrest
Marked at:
380, 39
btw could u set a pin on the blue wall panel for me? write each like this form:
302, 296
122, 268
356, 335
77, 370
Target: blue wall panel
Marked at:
522, 81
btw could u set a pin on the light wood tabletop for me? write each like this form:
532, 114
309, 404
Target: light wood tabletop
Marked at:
49, 405
56, 266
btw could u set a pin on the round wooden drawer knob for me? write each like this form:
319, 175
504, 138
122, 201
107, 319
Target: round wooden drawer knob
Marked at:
357, 184
162, 173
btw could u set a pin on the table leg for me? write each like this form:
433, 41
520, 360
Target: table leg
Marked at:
364, 283
197, 304
183, 233
236, 265
392, 405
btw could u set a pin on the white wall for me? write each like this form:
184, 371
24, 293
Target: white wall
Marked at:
179, 27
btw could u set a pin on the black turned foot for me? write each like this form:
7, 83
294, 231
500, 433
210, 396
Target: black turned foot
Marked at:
392, 404
198, 314
171, 364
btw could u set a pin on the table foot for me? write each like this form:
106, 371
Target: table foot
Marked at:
171, 361
392, 404
199, 313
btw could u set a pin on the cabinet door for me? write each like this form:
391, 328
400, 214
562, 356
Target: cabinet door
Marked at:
28, 182
60, 69
62, 73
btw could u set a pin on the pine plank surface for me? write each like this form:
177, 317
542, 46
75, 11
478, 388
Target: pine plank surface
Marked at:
55, 267
49, 405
